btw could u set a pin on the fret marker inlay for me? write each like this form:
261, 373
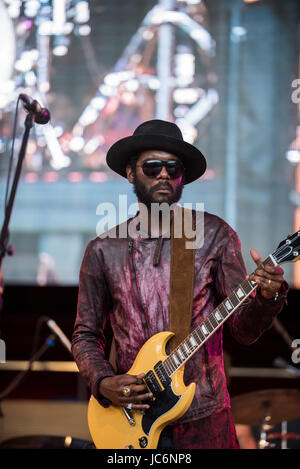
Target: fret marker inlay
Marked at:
218, 317
193, 342
177, 362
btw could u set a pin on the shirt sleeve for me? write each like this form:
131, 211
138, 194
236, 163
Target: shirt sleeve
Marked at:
256, 314
94, 304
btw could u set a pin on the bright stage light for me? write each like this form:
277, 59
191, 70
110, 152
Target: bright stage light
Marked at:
58, 16
132, 85
77, 144
7, 49
41, 141
30, 78
92, 145
14, 9
44, 86
239, 31
4, 101
8, 87
27, 60
184, 66
88, 116
293, 156
82, 12
186, 95
189, 132
98, 102
58, 129
60, 51
60, 45
107, 90
153, 83
45, 28
147, 35
114, 79
180, 111
84, 30
31, 8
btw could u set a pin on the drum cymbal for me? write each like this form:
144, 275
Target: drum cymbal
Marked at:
279, 404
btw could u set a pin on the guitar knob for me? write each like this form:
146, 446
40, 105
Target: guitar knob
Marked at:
143, 442
129, 447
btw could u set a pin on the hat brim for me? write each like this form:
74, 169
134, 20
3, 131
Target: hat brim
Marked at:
119, 153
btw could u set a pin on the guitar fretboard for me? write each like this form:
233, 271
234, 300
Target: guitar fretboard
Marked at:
215, 319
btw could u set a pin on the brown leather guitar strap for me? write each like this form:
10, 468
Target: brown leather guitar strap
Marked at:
182, 271
181, 279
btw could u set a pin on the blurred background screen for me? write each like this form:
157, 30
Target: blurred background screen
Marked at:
230, 71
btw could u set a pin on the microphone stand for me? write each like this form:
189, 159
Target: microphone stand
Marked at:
4, 237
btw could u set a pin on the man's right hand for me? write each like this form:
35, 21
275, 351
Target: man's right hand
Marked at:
112, 388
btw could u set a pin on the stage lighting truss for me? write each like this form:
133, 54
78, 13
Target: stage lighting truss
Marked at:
191, 103
31, 31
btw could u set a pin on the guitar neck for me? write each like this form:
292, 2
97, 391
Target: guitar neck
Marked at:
214, 321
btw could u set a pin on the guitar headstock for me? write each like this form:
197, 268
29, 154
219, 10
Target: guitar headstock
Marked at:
289, 249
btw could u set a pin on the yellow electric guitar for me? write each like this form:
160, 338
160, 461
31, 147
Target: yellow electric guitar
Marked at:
115, 427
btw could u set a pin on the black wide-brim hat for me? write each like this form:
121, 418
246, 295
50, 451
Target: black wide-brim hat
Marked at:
157, 135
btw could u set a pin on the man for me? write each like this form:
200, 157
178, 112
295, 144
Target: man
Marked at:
124, 284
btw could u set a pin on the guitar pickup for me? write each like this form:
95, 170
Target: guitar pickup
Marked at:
162, 374
152, 383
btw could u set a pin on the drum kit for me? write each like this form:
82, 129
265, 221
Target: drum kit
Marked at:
265, 409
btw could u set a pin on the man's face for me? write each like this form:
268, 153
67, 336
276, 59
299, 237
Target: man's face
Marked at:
159, 189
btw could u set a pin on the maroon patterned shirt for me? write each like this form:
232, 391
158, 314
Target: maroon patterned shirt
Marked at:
107, 305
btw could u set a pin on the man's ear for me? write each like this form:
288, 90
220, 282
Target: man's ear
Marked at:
130, 174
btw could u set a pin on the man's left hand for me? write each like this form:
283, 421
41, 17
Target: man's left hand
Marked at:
268, 278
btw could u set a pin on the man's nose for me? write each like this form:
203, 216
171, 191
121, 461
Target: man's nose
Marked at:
163, 174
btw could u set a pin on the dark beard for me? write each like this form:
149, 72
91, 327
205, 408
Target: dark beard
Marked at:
146, 196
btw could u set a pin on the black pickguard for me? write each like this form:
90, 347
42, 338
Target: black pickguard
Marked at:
164, 402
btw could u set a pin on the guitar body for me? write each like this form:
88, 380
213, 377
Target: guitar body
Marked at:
110, 428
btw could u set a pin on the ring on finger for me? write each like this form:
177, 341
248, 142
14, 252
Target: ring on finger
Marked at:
129, 406
269, 281
126, 391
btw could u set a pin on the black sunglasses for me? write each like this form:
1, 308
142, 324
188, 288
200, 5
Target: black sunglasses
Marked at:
152, 168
